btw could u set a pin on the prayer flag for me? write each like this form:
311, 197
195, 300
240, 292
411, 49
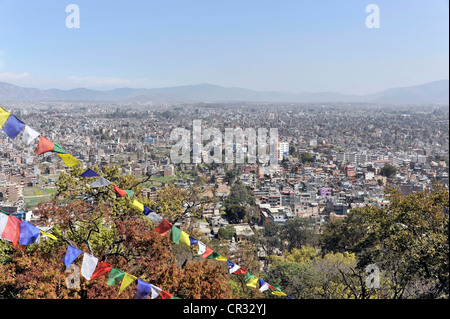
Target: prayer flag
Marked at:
154, 217
89, 173
11, 231
240, 271
143, 290
184, 239
115, 276
4, 114
102, 268
155, 291
28, 135
71, 254
129, 192
118, 191
138, 205
263, 286
201, 248
221, 258
13, 126
208, 252
213, 255
44, 146
88, 266
192, 240
69, 160
127, 280
3, 221
175, 234
165, 295
233, 267
28, 233
146, 210
48, 235
252, 281
163, 227
278, 293
58, 149
100, 182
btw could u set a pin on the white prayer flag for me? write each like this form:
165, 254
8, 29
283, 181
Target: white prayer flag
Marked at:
201, 248
100, 182
88, 266
155, 291
28, 135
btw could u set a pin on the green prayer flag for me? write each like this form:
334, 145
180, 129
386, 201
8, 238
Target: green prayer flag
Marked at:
214, 255
129, 192
115, 276
249, 276
175, 235
58, 149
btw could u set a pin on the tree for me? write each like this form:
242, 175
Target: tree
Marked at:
408, 241
298, 232
113, 230
388, 170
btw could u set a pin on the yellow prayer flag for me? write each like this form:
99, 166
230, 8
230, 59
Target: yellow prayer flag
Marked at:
69, 160
278, 293
4, 114
126, 281
252, 282
184, 239
221, 258
48, 235
138, 205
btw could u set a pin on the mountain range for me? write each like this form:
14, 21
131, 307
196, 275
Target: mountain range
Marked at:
432, 92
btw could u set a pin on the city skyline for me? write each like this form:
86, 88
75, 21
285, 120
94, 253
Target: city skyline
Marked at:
291, 46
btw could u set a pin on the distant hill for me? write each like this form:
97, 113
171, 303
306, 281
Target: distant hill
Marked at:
433, 92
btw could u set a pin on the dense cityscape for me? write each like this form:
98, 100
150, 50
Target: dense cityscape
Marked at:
330, 162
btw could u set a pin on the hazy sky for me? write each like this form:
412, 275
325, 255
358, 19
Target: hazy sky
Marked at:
279, 45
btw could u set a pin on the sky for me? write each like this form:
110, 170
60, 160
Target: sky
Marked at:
277, 45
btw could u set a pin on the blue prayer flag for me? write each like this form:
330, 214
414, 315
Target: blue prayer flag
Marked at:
193, 240
146, 210
13, 126
89, 173
143, 290
28, 233
71, 254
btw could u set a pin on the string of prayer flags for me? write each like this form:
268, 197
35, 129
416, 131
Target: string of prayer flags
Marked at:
69, 160
164, 227
13, 126
72, 253
4, 114
29, 135
143, 290
232, 267
102, 269
115, 276
127, 280
45, 145
88, 266
89, 173
100, 182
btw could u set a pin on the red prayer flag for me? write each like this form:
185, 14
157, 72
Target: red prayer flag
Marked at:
119, 191
208, 252
44, 146
12, 230
164, 227
102, 268
240, 271
165, 295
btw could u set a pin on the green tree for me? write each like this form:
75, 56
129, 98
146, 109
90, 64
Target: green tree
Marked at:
388, 170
